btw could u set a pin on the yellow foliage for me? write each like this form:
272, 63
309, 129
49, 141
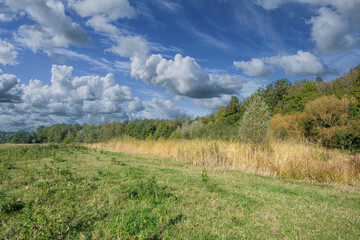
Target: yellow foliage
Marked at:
289, 122
328, 111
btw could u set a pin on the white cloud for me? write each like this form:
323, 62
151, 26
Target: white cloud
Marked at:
9, 90
33, 37
330, 31
168, 6
97, 63
219, 43
7, 15
213, 103
269, 4
349, 8
235, 82
182, 76
135, 106
336, 26
255, 67
162, 109
102, 24
130, 46
101, 107
7, 53
102, 15
302, 64
68, 98
54, 27
178, 98
112, 9
244, 86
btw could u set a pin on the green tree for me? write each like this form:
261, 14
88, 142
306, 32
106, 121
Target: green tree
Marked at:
297, 101
21, 137
162, 131
274, 94
231, 113
255, 122
41, 134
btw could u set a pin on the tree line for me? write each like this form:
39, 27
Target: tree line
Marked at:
324, 112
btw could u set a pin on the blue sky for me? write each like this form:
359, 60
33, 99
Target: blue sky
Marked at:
62, 61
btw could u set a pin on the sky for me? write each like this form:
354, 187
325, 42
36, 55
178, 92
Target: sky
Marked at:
64, 61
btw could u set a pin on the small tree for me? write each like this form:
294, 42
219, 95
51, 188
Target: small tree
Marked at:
255, 122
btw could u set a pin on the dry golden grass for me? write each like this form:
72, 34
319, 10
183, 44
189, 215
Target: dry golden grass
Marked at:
286, 159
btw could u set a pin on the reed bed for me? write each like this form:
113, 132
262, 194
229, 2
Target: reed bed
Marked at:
287, 159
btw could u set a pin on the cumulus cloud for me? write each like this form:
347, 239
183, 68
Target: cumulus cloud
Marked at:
68, 98
112, 9
54, 27
255, 67
181, 75
302, 64
330, 31
244, 86
130, 46
9, 90
213, 103
74, 97
235, 82
135, 106
7, 53
162, 109
336, 26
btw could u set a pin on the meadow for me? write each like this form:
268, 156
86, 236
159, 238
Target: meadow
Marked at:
73, 192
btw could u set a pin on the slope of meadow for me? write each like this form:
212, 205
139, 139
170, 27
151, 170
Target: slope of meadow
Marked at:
73, 192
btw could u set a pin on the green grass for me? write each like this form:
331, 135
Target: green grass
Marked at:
71, 192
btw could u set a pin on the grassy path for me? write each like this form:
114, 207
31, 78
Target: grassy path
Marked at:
66, 192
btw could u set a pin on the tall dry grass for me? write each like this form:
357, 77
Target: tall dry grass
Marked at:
286, 159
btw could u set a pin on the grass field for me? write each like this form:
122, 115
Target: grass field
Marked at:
72, 192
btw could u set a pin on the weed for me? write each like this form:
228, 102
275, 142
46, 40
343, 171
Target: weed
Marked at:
9, 204
205, 177
116, 162
147, 189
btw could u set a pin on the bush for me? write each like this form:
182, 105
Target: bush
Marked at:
286, 126
328, 121
344, 137
255, 122
327, 111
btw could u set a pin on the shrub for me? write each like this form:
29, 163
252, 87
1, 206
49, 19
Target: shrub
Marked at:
286, 126
327, 111
344, 137
328, 121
